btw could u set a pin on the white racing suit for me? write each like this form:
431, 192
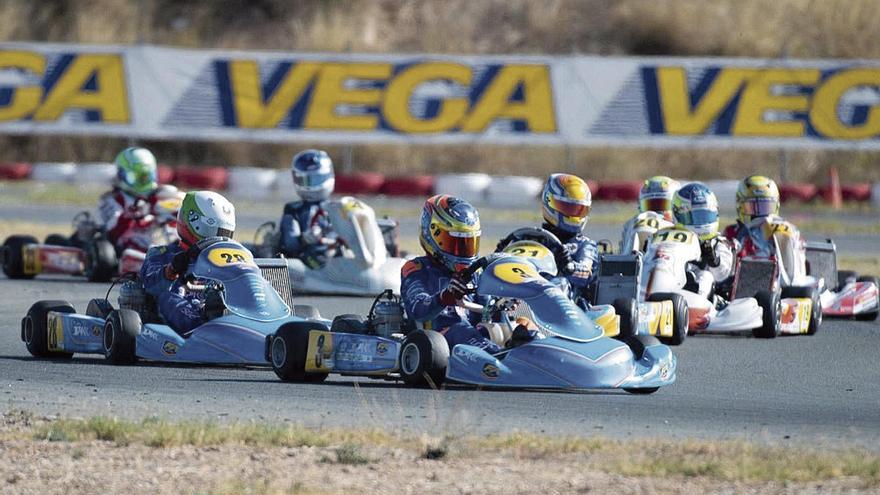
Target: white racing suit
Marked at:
715, 265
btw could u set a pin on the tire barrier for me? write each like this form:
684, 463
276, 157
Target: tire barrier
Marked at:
856, 192
359, 183
165, 174
797, 192
53, 172
470, 187
410, 185
618, 191
15, 171
207, 178
95, 173
513, 190
252, 182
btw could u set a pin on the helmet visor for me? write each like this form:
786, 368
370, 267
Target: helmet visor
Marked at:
459, 244
698, 217
569, 208
760, 207
140, 180
310, 180
659, 205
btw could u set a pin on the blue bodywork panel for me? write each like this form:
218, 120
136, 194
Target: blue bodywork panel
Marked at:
351, 353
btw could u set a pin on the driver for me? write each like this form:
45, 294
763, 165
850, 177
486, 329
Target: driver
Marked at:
433, 294
695, 208
655, 209
305, 229
135, 191
202, 214
757, 200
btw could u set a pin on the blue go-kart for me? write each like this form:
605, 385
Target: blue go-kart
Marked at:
571, 352
254, 309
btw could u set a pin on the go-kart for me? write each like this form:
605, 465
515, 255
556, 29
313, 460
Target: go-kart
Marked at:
665, 274
846, 294
88, 252
254, 309
638, 231
358, 261
572, 354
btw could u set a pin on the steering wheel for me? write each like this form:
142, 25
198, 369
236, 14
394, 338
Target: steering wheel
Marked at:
541, 236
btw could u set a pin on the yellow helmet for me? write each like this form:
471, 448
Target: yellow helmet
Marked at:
756, 196
566, 201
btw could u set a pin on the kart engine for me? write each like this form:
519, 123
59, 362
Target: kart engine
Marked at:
386, 316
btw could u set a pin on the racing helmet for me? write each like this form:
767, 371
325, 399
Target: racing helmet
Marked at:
756, 196
204, 214
656, 195
313, 176
565, 202
136, 171
695, 208
450, 231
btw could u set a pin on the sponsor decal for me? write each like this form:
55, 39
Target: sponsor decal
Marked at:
382, 348
170, 348
149, 334
465, 354
490, 371
664, 371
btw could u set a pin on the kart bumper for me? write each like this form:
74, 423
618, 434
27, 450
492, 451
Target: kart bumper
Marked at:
854, 299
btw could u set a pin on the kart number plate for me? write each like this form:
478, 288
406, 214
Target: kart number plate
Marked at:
230, 256
528, 249
55, 340
319, 356
516, 273
673, 235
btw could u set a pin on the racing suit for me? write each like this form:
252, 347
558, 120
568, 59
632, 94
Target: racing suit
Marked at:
121, 211
714, 267
422, 281
303, 225
583, 270
763, 235
181, 310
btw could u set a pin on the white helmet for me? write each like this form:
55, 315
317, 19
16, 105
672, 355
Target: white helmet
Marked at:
313, 176
204, 214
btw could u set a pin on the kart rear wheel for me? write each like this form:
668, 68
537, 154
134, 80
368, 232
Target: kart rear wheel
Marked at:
816, 311
873, 314
120, 333
99, 308
35, 328
349, 324
288, 350
57, 240
628, 311
13, 259
771, 304
637, 345
101, 262
424, 357
679, 316
842, 276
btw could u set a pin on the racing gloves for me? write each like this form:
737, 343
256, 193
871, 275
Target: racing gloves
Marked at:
454, 292
707, 253
179, 264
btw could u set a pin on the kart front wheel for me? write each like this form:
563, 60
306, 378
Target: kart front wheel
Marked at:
424, 357
628, 311
101, 262
816, 312
120, 333
870, 316
13, 258
35, 328
771, 306
287, 351
679, 316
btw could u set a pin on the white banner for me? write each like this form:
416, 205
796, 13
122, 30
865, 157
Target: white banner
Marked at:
166, 93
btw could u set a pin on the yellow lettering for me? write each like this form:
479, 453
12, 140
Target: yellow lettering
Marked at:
248, 97
395, 105
536, 108
823, 114
678, 117
757, 99
109, 98
25, 99
331, 91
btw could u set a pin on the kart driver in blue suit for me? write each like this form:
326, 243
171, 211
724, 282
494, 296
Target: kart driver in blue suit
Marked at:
431, 288
305, 229
202, 214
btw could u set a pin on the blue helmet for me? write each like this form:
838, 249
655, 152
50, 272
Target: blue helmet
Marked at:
313, 176
695, 208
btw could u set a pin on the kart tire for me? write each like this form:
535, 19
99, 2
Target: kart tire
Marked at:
120, 334
771, 305
306, 311
638, 344
35, 331
287, 353
628, 310
99, 308
842, 275
873, 314
816, 312
13, 260
101, 262
57, 240
349, 324
679, 316
424, 357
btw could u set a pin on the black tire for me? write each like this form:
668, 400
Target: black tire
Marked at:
35, 331
873, 314
424, 357
13, 260
99, 308
815, 313
771, 304
842, 275
349, 324
120, 333
628, 310
637, 345
679, 316
287, 353
101, 261
57, 240
306, 311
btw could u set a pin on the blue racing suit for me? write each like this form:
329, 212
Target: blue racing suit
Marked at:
421, 281
181, 310
298, 218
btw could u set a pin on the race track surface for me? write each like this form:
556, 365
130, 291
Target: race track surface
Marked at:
824, 388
